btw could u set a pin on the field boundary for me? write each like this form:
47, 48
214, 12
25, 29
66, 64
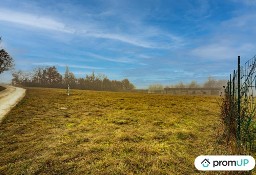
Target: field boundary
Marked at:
239, 107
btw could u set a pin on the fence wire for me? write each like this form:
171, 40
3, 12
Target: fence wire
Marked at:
239, 105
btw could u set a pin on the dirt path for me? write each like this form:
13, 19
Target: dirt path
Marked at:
9, 98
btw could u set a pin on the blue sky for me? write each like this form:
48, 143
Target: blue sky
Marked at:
146, 41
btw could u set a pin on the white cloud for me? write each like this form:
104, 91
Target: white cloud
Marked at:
213, 51
233, 37
64, 65
123, 38
141, 36
135, 40
245, 21
119, 60
222, 51
246, 2
33, 21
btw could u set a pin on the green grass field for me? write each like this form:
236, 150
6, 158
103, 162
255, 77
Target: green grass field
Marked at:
92, 132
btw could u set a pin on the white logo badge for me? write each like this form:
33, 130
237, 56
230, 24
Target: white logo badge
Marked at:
224, 163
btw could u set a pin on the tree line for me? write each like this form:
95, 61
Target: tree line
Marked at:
209, 83
50, 77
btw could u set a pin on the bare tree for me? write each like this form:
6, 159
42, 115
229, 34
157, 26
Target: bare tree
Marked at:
127, 85
66, 76
155, 87
193, 84
210, 83
180, 85
17, 78
213, 83
21, 78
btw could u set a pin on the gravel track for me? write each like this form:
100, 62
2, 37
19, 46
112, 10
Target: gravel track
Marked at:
9, 98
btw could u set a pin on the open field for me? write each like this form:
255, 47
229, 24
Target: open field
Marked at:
92, 132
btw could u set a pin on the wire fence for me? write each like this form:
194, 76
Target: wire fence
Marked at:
239, 107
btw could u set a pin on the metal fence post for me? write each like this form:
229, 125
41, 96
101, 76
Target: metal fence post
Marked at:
234, 79
230, 86
238, 102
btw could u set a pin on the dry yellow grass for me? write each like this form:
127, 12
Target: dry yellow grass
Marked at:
91, 132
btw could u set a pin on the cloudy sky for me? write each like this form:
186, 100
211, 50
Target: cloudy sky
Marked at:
146, 41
